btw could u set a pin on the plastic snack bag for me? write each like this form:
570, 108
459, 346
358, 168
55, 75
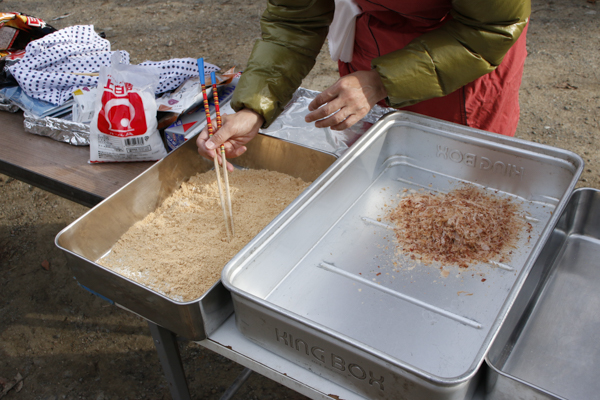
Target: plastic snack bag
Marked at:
17, 30
124, 126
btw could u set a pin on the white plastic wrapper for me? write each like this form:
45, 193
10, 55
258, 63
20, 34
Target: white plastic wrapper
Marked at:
124, 127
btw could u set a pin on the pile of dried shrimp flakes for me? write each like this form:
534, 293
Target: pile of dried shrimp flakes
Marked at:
462, 227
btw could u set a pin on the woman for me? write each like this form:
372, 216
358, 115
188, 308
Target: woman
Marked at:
458, 60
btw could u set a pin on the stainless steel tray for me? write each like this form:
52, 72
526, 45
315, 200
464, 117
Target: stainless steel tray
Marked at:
549, 346
319, 286
93, 235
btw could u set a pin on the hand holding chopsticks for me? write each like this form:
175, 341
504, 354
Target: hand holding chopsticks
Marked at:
238, 129
210, 133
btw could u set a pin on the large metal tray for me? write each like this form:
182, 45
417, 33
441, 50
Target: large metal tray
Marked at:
320, 286
549, 346
93, 235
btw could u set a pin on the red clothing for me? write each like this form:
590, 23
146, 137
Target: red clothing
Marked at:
490, 103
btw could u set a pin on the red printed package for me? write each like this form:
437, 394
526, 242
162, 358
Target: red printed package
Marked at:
124, 127
16, 30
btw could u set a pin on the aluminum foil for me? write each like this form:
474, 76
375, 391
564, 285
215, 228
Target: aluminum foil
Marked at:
8, 107
290, 125
60, 129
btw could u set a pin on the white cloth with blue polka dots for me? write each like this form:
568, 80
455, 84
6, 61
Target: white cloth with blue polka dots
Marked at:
52, 66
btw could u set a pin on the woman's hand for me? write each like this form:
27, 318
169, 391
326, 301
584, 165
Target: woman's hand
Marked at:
342, 105
237, 130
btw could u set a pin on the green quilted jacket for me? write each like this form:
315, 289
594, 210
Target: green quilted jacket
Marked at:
435, 64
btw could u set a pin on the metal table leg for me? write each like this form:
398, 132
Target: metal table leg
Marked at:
239, 381
170, 359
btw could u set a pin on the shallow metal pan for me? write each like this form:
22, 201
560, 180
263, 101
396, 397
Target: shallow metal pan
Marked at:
320, 287
93, 235
549, 346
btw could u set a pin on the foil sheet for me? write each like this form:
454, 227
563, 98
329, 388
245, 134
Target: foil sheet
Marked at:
290, 125
60, 129
8, 107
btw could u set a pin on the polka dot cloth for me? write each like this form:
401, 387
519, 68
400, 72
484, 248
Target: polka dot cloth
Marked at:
177, 70
46, 70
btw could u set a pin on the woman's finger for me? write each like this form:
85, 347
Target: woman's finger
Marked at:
325, 111
322, 98
220, 137
201, 143
347, 101
237, 130
334, 119
347, 123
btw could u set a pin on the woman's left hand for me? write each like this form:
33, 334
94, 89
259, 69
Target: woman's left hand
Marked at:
347, 101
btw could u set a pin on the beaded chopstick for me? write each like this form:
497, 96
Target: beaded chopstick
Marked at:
210, 133
213, 79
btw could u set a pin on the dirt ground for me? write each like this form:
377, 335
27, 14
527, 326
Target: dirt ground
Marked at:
69, 344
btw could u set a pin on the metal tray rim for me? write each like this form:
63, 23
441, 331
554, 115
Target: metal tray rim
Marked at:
521, 381
154, 292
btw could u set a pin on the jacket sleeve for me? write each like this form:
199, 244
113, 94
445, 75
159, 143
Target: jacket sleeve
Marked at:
469, 46
293, 32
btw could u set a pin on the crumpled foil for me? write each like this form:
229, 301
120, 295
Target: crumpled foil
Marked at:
290, 126
7, 105
60, 129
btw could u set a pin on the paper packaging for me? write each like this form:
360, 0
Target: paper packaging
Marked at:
84, 100
192, 122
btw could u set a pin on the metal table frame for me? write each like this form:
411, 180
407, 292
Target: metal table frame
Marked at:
64, 170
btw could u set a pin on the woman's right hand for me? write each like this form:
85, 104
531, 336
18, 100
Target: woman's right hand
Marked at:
237, 130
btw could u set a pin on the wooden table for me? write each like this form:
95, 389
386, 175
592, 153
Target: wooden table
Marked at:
58, 167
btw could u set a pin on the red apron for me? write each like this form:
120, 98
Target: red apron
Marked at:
490, 103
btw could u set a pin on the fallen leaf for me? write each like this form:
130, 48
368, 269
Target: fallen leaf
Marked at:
17, 383
565, 85
46, 265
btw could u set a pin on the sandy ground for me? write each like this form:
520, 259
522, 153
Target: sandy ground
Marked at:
68, 344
